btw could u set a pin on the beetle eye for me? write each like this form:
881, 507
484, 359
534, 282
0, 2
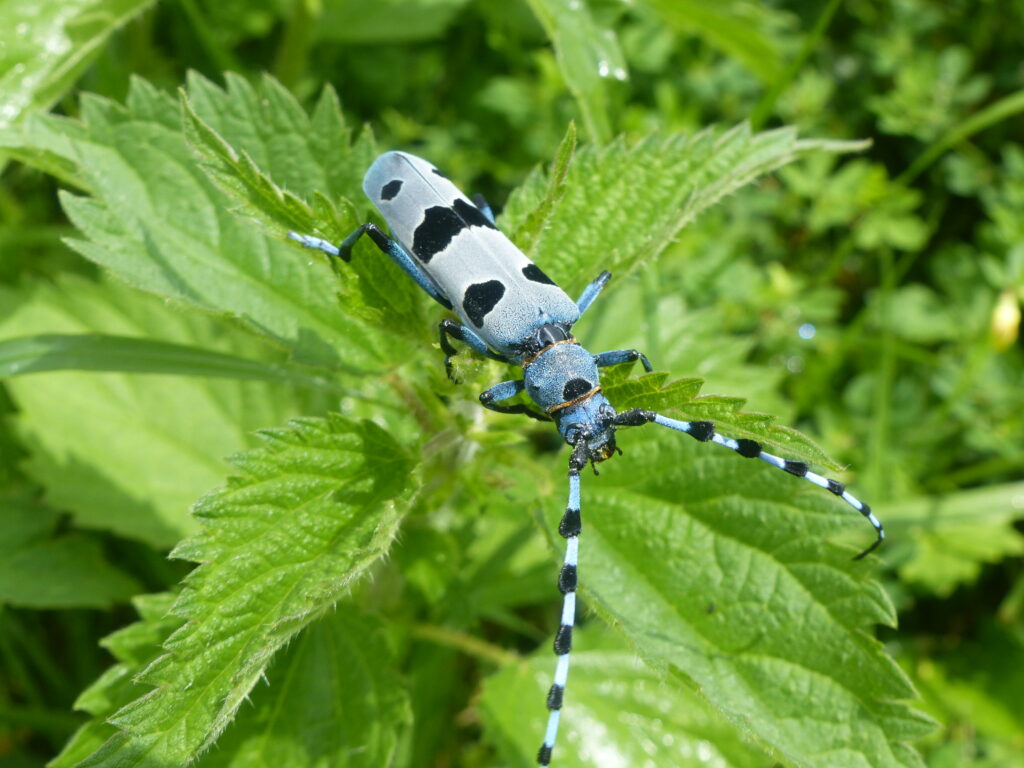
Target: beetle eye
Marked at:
572, 435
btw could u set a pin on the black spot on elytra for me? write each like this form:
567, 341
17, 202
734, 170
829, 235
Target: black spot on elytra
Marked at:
439, 226
472, 215
481, 298
576, 388
389, 190
533, 272
438, 173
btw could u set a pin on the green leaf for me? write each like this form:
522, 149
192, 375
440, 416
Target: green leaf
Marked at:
157, 221
333, 695
134, 647
386, 21
40, 570
271, 118
123, 354
1003, 109
130, 453
241, 178
628, 203
333, 698
680, 399
589, 58
953, 536
46, 44
529, 230
260, 145
262, 150
311, 512
641, 720
720, 573
974, 687
33, 140
736, 28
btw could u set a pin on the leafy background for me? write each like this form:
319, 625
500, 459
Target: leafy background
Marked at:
376, 563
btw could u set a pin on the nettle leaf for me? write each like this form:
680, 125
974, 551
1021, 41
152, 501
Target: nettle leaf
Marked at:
952, 537
32, 141
154, 218
618, 712
623, 204
680, 399
41, 570
125, 452
124, 354
529, 229
334, 697
251, 140
312, 510
333, 694
588, 56
134, 647
268, 156
721, 573
42, 58
739, 29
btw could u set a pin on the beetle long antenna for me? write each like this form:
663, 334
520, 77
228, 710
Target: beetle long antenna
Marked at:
704, 431
570, 529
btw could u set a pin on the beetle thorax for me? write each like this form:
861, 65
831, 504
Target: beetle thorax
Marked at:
562, 373
564, 380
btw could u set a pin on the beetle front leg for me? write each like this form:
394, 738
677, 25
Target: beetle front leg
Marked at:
617, 356
506, 390
592, 291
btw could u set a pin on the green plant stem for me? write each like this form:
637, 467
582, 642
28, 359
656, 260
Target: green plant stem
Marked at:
465, 643
14, 665
294, 49
976, 473
1006, 107
53, 721
886, 372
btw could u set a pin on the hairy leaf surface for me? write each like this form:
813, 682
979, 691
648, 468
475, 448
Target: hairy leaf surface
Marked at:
623, 204
154, 218
334, 697
126, 452
618, 712
311, 512
720, 572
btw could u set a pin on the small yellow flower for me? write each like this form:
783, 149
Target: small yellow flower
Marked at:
1005, 324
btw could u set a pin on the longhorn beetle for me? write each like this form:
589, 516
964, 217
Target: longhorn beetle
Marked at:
511, 311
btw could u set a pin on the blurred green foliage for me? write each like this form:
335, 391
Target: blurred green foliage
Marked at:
152, 318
